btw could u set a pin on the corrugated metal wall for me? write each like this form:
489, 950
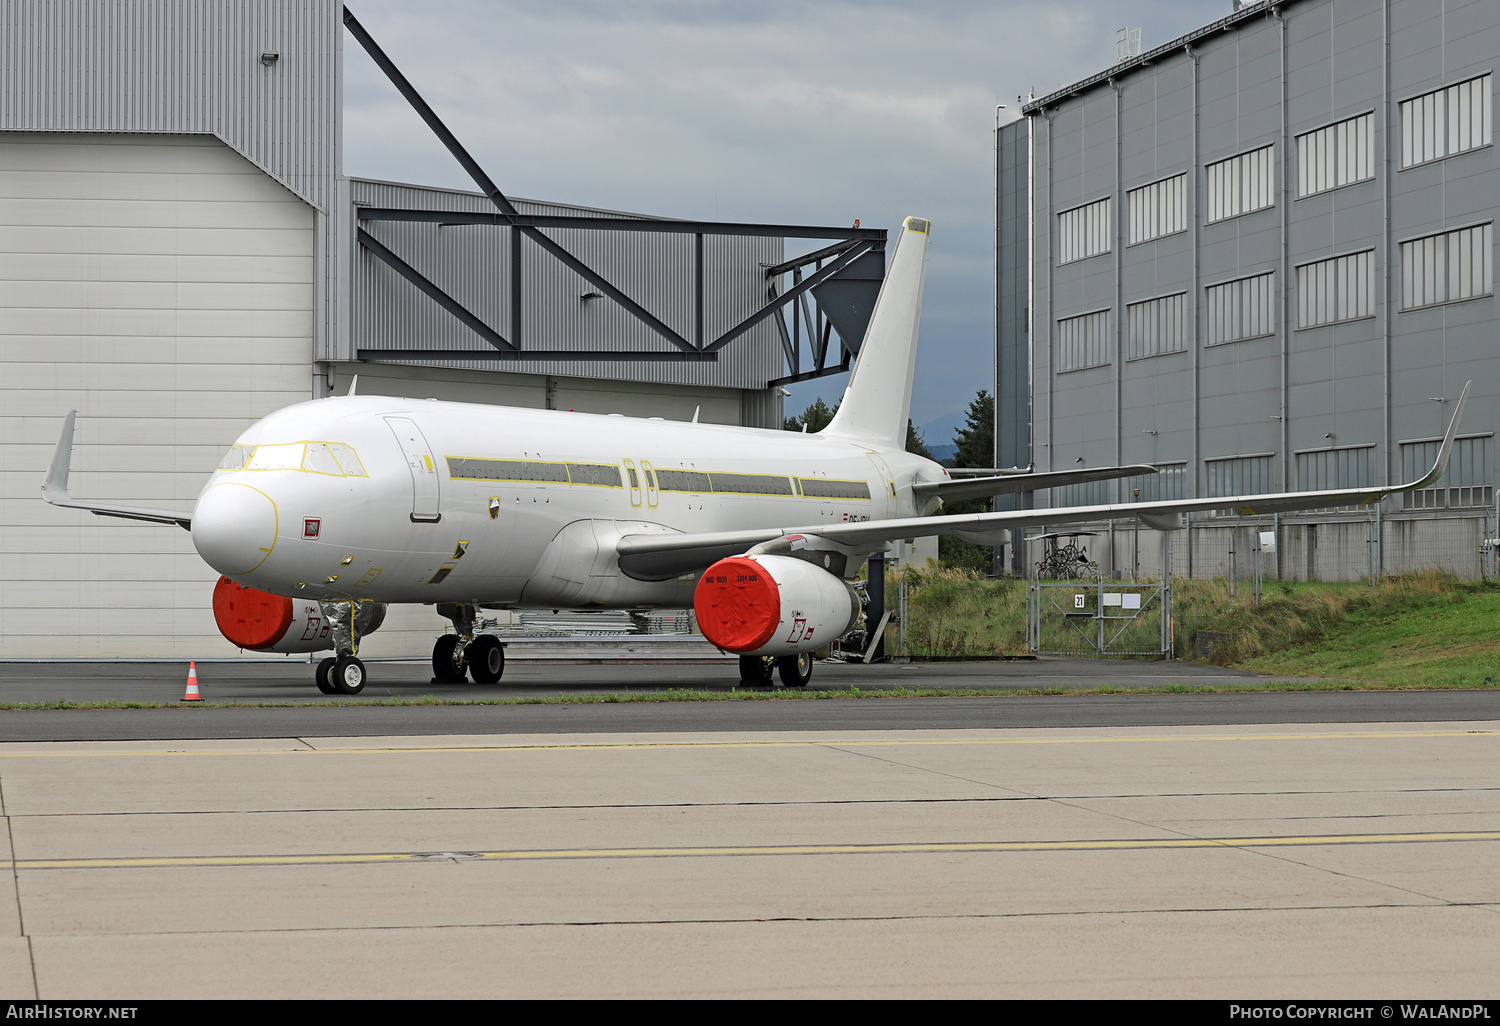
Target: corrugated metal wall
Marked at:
175, 66
186, 66
472, 263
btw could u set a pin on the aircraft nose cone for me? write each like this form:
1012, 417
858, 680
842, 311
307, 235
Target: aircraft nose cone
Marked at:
234, 528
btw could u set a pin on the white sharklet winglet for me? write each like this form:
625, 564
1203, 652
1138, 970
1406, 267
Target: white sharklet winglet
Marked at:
681, 550
55, 488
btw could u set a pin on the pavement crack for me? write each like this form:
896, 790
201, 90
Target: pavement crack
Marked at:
15, 878
941, 773
811, 919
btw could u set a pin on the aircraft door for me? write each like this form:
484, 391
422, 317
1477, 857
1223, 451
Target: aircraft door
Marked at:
424, 472
634, 482
887, 500
649, 473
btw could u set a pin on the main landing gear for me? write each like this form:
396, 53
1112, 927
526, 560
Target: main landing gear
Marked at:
794, 671
481, 656
344, 675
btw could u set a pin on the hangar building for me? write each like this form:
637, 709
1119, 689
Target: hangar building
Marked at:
181, 254
1260, 257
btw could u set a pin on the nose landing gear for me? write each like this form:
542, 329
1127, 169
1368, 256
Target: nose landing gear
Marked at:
345, 674
481, 656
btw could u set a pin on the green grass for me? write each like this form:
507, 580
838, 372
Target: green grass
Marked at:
1424, 629
1427, 629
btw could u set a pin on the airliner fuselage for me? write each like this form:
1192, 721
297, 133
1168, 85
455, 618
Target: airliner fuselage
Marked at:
397, 500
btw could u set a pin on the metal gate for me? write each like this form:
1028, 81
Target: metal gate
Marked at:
1100, 618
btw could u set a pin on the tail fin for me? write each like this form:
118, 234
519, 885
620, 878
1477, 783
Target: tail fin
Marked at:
877, 401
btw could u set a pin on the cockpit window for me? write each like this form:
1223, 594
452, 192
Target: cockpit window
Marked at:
236, 457
348, 460
332, 458
286, 456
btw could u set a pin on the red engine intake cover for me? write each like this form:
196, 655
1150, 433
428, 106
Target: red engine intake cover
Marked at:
738, 604
249, 618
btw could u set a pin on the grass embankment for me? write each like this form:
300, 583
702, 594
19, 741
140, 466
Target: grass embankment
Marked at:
1416, 630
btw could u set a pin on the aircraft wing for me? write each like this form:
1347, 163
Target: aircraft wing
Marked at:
658, 557
1003, 484
55, 488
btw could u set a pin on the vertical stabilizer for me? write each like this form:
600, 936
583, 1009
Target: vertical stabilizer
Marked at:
877, 402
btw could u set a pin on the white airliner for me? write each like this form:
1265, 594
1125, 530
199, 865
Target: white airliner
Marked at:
324, 512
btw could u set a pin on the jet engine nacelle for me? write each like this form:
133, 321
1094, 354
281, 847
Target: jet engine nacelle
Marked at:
772, 605
264, 622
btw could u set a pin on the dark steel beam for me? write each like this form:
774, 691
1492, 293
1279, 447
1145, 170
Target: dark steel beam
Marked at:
442, 298
634, 355
496, 197
792, 379
633, 224
812, 258
858, 250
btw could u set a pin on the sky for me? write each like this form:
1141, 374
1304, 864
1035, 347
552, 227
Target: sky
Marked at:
816, 112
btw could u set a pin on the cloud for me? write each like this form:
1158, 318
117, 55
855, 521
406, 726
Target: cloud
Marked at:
812, 112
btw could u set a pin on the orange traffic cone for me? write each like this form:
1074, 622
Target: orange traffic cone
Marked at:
192, 687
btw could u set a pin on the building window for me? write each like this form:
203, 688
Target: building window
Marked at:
1340, 289
1240, 475
1336, 155
1241, 309
1157, 209
1167, 484
1447, 268
1348, 466
1083, 231
1154, 327
1087, 493
1083, 341
1446, 121
1241, 184
1467, 483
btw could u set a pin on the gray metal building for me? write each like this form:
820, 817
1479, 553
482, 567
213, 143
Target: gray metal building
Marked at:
181, 254
1261, 258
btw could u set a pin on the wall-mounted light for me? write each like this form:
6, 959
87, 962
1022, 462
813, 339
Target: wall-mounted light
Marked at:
591, 295
269, 57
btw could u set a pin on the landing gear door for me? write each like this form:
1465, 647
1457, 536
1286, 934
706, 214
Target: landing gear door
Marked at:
424, 471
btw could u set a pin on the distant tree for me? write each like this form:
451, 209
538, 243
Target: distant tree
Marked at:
816, 417
914, 442
976, 448
976, 439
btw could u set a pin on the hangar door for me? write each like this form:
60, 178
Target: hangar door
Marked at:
162, 285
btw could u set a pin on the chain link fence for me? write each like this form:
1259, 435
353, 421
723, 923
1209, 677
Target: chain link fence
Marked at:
1346, 547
